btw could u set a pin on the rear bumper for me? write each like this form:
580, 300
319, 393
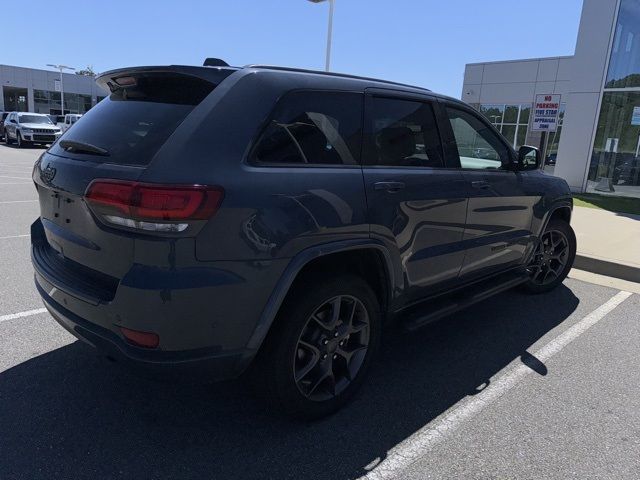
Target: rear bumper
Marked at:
200, 364
204, 315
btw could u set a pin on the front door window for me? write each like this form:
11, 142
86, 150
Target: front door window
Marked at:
479, 147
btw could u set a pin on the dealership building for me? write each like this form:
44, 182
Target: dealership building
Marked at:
595, 141
32, 90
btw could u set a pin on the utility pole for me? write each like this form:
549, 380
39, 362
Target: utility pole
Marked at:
327, 64
61, 68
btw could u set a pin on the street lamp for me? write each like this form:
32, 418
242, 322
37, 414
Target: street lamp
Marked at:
61, 68
329, 32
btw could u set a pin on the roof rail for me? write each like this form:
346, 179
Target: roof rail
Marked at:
333, 74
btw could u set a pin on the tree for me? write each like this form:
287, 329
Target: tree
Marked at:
87, 72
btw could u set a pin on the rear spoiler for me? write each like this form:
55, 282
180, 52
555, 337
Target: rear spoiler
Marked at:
215, 75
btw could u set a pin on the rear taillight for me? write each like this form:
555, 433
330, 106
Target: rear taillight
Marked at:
152, 207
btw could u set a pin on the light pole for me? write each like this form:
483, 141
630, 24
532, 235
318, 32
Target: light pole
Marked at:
61, 68
329, 32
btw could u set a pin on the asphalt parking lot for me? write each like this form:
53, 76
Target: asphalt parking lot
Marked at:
517, 387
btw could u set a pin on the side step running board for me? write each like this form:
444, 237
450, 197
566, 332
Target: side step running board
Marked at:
442, 306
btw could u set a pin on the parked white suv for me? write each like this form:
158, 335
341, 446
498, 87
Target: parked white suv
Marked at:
69, 119
27, 128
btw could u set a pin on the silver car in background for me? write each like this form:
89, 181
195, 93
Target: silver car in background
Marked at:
29, 128
69, 119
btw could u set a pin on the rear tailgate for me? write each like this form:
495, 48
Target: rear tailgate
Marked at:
116, 139
70, 227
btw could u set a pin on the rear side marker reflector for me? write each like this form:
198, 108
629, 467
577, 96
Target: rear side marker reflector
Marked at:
140, 339
152, 207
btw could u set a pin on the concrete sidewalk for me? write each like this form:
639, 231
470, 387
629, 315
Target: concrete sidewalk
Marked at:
608, 243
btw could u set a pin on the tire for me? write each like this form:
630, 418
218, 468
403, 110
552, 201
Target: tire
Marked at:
19, 141
6, 137
553, 258
282, 356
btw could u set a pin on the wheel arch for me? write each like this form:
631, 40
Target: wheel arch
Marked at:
320, 258
561, 212
561, 209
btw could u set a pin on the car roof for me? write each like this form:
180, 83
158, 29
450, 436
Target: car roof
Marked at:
321, 73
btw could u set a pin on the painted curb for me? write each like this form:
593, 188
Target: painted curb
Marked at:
623, 271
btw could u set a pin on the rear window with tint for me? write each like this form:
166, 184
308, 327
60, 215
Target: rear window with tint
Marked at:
133, 122
313, 128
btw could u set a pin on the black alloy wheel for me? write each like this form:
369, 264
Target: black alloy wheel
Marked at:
320, 349
550, 258
553, 257
331, 348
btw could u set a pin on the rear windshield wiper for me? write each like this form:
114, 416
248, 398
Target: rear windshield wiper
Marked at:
81, 147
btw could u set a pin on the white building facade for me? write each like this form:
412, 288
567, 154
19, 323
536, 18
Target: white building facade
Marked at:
596, 147
33, 90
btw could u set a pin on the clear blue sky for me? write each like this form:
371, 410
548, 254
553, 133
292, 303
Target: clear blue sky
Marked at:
422, 42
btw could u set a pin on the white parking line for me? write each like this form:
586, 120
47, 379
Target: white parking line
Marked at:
15, 178
15, 236
418, 444
18, 201
28, 313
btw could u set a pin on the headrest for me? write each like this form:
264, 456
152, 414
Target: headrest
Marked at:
396, 144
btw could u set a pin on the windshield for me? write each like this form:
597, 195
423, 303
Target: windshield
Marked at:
34, 119
135, 121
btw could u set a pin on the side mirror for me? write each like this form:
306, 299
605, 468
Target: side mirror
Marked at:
12, 121
529, 158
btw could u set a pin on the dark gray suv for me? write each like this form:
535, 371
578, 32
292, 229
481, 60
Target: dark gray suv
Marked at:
268, 220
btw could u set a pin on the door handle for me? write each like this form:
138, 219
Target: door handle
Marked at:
481, 184
391, 187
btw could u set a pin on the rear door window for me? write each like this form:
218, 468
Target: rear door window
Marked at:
312, 128
134, 121
403, 133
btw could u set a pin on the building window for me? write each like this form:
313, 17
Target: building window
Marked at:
624, 66
495, 113
46, 102
511, 120
15, 99
615, 161
49, 102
